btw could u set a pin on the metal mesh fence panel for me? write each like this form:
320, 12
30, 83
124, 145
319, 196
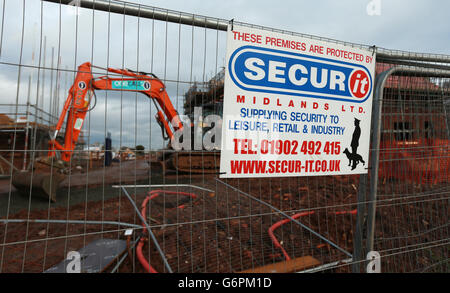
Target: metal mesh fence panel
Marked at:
126, 201
411, 224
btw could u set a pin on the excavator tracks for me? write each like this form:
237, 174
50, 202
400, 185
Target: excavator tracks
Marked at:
192, 162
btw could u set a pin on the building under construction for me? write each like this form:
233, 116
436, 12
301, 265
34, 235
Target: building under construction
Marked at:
24, 136
207, 95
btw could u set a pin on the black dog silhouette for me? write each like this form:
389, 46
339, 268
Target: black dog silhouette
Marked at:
353, 157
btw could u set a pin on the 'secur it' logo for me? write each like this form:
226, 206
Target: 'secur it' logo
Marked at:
279, 72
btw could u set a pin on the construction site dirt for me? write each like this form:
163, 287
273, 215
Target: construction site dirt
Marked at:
223, 227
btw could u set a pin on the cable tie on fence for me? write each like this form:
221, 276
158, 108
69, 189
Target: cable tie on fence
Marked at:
231, 22
128, 232
374, 47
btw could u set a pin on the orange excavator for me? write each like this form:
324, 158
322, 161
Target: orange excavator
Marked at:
76, 107
80, 95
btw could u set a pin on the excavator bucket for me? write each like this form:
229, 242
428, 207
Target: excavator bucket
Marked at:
38, 184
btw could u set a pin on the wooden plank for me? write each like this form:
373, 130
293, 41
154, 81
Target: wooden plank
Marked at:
290, 266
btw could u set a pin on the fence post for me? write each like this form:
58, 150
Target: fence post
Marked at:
375, 156
358, 250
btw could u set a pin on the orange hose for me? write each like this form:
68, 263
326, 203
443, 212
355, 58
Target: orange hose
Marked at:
152, 195
275, 241
142, 259
282, 222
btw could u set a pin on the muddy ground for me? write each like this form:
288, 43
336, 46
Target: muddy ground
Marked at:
222, 229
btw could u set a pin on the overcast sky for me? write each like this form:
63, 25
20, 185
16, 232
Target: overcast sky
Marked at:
411, 25
180, 53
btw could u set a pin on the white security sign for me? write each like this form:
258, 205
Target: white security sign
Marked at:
294, 106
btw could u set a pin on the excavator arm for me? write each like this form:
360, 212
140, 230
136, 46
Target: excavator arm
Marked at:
78, 101
74, 113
